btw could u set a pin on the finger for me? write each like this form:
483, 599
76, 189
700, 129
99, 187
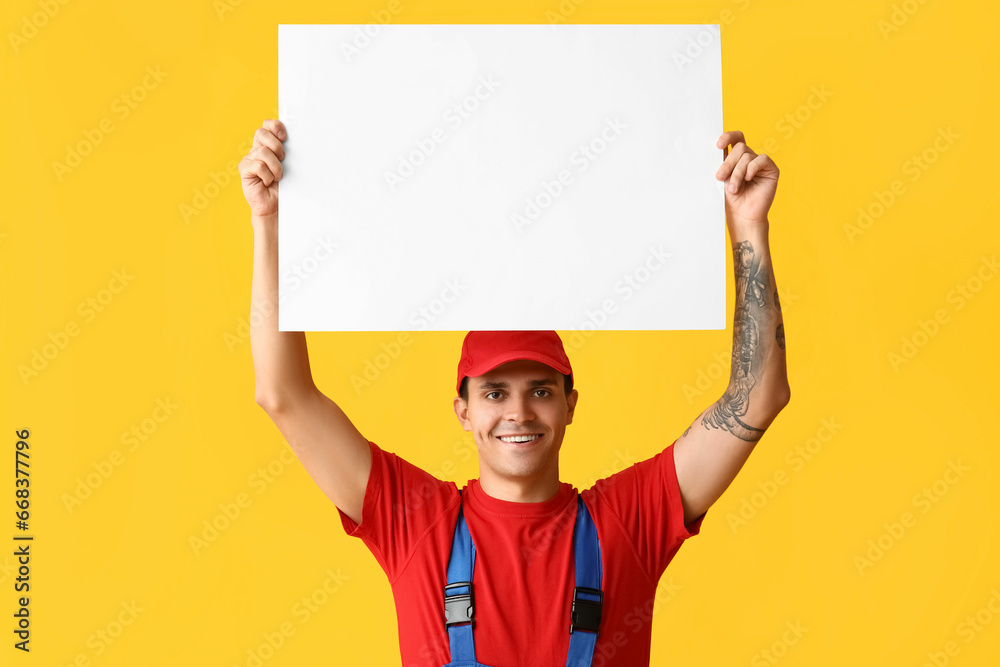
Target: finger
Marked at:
761, 162
739, 170
251, 168
265, 137
732, 137
277, 128
264, 154
726, 168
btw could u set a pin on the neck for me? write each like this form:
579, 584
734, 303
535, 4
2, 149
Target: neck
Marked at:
520, 489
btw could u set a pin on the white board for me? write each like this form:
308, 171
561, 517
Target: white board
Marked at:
458, 177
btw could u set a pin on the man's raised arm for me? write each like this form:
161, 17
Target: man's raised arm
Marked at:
331, 449
713, 449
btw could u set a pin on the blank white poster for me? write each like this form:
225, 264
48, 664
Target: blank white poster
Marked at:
461, 177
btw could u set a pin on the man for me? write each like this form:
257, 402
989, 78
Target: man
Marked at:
516, 396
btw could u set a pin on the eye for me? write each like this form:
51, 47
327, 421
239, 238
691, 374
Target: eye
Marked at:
543, 391
493, 392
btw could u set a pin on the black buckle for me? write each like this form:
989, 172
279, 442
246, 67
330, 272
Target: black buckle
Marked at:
458, 607
586, 614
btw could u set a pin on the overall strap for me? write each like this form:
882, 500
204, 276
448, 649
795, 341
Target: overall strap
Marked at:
585, 614
459, 603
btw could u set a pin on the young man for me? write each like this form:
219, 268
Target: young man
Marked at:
516, 396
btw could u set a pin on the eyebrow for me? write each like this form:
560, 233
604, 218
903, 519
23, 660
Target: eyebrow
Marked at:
504, 385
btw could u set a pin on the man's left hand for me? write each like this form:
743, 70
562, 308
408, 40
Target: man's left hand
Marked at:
751, 181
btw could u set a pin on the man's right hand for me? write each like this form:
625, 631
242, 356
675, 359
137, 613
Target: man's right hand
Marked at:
261, 169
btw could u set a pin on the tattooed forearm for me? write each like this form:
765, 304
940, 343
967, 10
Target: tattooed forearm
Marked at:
751, 314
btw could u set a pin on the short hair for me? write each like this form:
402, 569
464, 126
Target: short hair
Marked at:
463, 389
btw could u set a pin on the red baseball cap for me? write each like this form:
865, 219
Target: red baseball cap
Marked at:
482, 351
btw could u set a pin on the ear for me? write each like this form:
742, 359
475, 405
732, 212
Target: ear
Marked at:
571, 402
462, 412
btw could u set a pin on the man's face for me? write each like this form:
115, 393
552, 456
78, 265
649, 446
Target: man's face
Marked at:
519, 398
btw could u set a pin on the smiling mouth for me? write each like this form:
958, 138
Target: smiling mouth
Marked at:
519, 439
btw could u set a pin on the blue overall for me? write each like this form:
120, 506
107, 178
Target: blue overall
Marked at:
585, 613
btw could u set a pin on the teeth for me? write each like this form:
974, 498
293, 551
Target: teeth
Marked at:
519, 438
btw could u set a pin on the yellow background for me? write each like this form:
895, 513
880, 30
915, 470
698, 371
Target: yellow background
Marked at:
849, 301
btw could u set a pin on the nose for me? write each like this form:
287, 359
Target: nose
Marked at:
518, 409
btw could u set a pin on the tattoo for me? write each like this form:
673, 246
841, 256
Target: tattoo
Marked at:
751, 286
777, 304
751, 281
779, 334
686, 431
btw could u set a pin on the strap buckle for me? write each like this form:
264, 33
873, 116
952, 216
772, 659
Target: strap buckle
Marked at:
585, 613
458, 607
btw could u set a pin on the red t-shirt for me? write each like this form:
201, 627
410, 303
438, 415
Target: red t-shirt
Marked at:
524, 573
